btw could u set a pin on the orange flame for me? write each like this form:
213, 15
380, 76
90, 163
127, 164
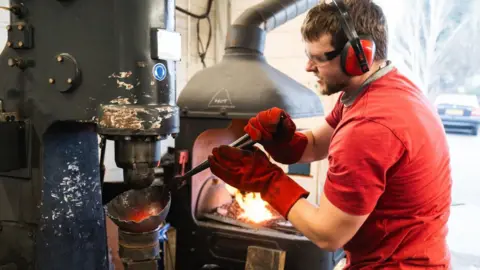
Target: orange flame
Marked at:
254, 208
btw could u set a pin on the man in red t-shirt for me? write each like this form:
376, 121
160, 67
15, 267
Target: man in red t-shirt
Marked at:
387, 195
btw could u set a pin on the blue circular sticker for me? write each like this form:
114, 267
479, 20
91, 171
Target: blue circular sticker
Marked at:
159, 72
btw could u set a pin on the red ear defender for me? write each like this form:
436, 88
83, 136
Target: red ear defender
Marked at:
349, 62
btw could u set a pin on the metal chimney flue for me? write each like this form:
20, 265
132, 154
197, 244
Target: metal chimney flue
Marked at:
249, 30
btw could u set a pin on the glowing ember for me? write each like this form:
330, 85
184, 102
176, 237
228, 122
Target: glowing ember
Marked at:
139, 216
253, 207
144, 214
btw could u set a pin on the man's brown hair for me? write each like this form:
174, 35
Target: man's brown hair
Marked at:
368, 19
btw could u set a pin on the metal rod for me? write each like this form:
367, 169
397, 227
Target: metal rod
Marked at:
242, 142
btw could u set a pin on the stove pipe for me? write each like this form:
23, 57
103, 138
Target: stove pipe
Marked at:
249, 30
243, 83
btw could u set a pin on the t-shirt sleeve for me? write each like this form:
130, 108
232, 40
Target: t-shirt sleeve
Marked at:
334, 117
360, 155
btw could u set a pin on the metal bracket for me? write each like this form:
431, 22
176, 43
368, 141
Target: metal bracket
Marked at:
20, 36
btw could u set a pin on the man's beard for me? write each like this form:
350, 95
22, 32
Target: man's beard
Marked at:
327, 88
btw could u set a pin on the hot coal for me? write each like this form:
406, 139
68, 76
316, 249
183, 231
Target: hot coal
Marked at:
234, 211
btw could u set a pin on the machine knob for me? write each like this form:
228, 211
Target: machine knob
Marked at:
20, 63
19, 10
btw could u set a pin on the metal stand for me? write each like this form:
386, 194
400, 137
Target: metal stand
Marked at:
139, 251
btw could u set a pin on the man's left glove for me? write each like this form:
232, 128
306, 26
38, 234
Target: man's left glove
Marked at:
252, 171
276, 131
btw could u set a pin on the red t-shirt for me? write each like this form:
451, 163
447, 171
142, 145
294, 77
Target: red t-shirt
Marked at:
389, 158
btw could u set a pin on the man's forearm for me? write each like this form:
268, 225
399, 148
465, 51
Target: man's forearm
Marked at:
306, 218
313, 151
318, 142
325, 225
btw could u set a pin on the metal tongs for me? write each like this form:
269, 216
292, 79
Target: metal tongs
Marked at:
243, 142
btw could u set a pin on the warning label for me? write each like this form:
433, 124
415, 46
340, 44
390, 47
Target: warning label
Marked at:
221, 99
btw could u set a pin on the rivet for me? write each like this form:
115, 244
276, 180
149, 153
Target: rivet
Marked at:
20, 27
51, 81
59, 58
9, 44
11, 62
69, 81
20, 44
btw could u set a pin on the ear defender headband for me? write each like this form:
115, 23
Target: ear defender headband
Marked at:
358, 53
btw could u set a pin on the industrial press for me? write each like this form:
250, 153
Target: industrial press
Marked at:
71, 71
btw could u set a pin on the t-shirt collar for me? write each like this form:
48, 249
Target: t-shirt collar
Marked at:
349, 98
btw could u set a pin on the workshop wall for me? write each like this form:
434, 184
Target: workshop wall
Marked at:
4, 21
187, 27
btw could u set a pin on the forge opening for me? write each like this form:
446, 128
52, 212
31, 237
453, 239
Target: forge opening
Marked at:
225, 204
215, 201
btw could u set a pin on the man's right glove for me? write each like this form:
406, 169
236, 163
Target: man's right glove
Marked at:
252, 171
275, 130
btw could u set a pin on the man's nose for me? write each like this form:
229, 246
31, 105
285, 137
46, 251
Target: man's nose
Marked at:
310, 67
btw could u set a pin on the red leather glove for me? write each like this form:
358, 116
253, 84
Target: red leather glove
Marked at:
276, 131
251, 171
